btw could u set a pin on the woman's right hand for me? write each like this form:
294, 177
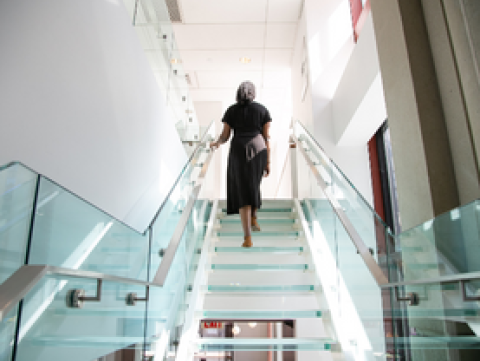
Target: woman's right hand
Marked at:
214, 145
267, 170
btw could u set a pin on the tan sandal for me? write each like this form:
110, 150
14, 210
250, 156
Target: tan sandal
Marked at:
248, 242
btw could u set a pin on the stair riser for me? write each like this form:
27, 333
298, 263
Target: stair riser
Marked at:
259, 258
262, 243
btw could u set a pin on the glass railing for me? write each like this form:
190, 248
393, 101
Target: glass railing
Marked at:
124, 315
353, 295
43, 223
152, 21
363, 218
50, 330
446, 245
52, 326
17, 195
430, 314
67, 231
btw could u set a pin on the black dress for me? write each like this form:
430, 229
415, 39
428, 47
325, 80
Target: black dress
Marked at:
247, 158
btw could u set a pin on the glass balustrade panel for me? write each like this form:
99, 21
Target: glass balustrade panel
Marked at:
17, 193
174, 297
439, 325
353, 296
71, 233
447, 245
50, 330
165, 224
7, 334
359, 212
152, 23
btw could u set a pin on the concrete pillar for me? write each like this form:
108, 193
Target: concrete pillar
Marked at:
429, 59
458, 88
430, 82
424, 169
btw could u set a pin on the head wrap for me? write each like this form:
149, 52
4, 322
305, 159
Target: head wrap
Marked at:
246, 92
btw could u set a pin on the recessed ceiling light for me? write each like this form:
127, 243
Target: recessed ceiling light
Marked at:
245, 60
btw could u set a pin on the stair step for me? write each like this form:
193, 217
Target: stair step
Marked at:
239, 233
270, 210
272, 242
259, 288
159, 316
266, 202
258, 314
261, 267
261, 301
266, 228
259, 249
262, 216
253, 277
90, 341
263, 220
264, 344
253, 257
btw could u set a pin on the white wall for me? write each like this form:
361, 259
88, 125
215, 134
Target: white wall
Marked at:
79, 104
327, 30
206, 112
359, 105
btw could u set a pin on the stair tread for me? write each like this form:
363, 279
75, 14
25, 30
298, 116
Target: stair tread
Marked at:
90, 341
254, 277
261, 301
260, 288
260, 249
259, 266
265, 344
262, 341
259, 314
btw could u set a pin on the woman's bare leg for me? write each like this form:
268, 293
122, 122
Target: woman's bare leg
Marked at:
246, 217
255, 225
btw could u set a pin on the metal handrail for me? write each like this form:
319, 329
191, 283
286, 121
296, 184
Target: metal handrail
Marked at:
26, 277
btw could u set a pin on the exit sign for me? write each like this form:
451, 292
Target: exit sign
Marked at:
212, 324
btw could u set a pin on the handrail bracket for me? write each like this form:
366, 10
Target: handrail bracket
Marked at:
76, 297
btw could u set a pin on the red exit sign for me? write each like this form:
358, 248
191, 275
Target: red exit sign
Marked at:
212, 324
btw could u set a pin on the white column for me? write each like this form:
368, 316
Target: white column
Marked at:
279, 335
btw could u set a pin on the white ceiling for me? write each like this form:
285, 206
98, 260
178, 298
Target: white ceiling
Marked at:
215, 34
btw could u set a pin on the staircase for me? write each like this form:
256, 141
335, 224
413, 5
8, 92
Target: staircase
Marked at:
272, 282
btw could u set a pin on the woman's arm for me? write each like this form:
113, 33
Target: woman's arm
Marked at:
266, 136
223, 137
